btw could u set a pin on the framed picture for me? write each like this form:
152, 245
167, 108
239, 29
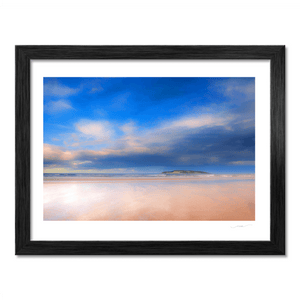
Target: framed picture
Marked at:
150, 150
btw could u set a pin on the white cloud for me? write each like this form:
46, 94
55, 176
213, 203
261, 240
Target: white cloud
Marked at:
138, 140
75, 163
247, 89
56, 89
100, 130
53, 107
237, 90
56, 153
169, 132
200, 121
151, 141
128, 128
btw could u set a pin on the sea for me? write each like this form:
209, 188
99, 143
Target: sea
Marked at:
147, 175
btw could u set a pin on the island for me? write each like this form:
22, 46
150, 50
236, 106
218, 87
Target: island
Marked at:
180, 172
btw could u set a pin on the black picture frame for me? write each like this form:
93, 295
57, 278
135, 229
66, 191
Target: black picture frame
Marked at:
23, 244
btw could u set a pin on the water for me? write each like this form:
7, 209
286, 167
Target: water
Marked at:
101, 175
146, 175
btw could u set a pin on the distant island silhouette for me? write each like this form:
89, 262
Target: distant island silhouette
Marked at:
184, 172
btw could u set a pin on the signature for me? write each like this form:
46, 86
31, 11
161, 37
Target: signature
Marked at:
237, 226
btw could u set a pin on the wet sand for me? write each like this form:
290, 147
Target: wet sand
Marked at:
163, 199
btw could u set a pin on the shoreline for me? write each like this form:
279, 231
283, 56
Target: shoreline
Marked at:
173, 178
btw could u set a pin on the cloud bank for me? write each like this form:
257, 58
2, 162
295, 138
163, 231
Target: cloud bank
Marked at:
218, 132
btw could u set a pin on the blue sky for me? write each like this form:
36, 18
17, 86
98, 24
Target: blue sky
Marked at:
145, 125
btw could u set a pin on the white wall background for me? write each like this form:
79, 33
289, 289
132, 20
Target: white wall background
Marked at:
147, 23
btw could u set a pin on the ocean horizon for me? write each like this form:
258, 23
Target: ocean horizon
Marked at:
49, 175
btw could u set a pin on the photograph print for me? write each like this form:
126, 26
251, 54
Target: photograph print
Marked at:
149, 149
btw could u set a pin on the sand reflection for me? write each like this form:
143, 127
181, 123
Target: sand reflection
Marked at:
151, 199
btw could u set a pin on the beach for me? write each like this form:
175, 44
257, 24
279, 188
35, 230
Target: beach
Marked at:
173, 198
